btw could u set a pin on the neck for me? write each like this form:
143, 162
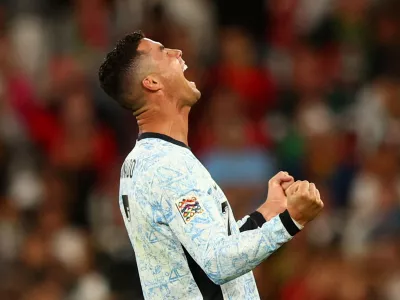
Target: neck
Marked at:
173, 123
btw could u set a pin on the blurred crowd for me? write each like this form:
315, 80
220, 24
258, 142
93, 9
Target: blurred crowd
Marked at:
309, 87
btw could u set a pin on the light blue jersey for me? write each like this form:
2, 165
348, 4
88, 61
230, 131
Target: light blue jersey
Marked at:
186, 240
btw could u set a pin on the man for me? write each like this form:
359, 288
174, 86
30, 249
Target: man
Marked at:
186, 241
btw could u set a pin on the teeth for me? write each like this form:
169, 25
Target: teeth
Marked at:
185, 67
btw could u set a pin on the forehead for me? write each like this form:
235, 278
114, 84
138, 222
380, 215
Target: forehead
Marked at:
147, 45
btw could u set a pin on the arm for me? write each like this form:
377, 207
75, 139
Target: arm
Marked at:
276, 204
204, 235
253, 221
256, 220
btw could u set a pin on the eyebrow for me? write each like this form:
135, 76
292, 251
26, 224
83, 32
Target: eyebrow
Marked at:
162, 47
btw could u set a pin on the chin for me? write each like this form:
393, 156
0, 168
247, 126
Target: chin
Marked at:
195, 94
192, 100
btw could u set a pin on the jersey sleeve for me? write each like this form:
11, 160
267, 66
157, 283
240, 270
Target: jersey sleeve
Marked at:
256, 220
198, 222
253, 221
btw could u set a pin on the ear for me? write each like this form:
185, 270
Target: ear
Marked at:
152, 83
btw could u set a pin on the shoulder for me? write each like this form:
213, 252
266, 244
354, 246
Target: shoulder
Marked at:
158, 156
175, 165
161, 164
174, 175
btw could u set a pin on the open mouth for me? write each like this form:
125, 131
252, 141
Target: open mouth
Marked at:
183, 65
184, 68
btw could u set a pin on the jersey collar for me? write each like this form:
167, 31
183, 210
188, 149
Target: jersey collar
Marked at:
155, 135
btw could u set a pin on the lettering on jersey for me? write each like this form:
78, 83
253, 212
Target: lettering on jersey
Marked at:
225, 212
125, 202
189, 208
128, 168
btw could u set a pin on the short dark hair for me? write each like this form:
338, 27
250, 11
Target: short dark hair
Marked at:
116, 66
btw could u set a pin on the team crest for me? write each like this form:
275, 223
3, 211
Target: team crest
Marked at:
189, 208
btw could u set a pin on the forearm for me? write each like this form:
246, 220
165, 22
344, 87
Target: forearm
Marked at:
258, 218
252, 221
229, 257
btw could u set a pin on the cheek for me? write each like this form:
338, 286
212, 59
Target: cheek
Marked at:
170, 66
174, 64
177, 73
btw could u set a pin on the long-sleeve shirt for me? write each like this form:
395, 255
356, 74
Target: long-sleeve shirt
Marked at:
186, 241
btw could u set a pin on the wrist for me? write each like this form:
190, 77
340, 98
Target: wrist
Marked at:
297, 217
268, 215
269, 210
297, 224
291, 227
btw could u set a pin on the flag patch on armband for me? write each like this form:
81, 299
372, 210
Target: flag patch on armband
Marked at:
189, 208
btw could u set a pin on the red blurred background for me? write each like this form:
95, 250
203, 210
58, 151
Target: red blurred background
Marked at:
309, 87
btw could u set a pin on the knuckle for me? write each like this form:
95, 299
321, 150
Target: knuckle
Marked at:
304, 195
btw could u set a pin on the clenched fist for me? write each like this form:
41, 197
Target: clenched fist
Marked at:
276, 201
303, 201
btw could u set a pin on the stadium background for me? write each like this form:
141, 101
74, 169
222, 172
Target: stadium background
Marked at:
310, 87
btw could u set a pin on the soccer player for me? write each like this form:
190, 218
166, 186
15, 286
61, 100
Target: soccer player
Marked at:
186, 240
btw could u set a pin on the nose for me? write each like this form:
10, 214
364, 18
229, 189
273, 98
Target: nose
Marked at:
175, 53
